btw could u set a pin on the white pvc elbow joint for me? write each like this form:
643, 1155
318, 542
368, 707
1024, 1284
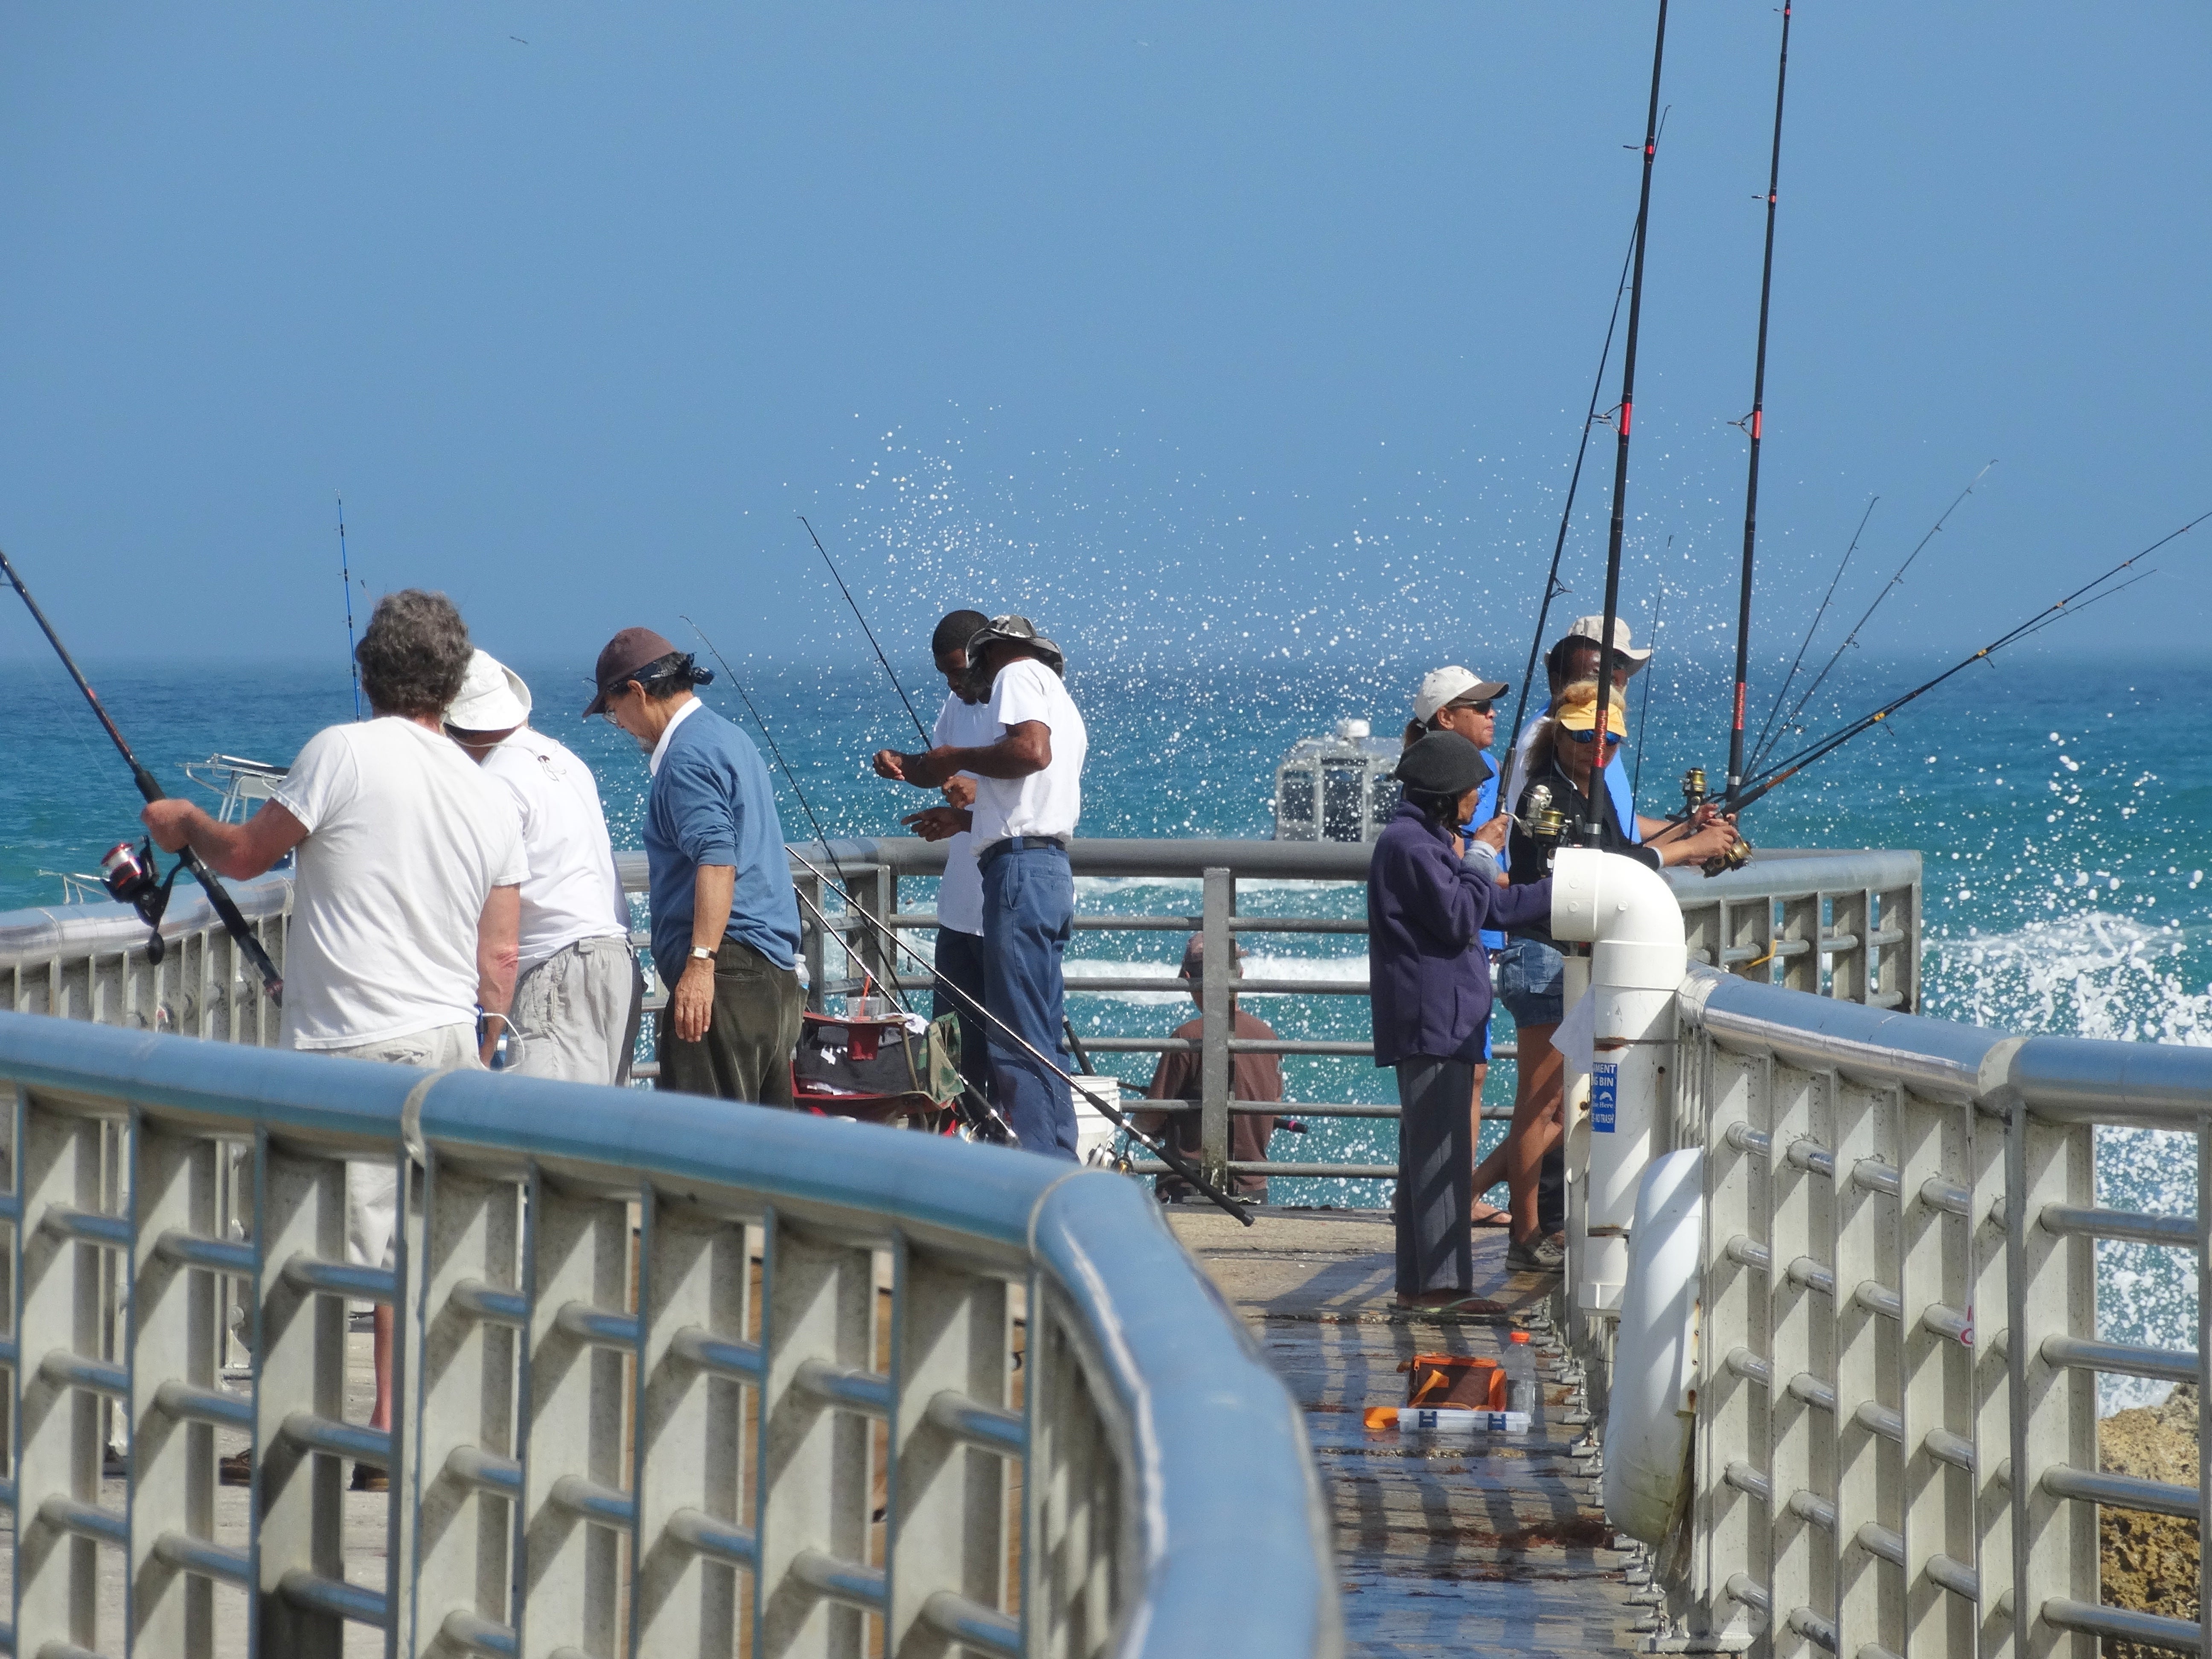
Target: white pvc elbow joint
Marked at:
1627, 914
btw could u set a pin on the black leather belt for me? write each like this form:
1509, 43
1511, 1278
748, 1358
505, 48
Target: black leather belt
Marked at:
1023, 844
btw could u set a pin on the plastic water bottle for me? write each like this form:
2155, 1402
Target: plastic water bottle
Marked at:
1519, 1364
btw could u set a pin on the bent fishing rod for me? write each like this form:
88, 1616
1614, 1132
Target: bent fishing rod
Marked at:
1851, 638
1784, 769
1618, 527
1164, 1149
1757, 421
869, 631
147, 895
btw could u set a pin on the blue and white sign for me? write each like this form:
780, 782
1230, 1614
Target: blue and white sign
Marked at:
1605, 1090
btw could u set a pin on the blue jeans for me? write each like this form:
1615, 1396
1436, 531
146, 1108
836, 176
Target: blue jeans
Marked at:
1531, 981
1029, 908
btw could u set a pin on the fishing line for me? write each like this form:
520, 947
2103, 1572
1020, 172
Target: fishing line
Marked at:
1851, 638
1789, 767
1166, 1150
790, 777
920, 729
1618, 527
1759, 747
345, 575
1552, 588
1757, 419
1644, 719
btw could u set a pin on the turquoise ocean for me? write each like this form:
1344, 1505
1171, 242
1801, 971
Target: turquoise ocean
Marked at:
2064, 807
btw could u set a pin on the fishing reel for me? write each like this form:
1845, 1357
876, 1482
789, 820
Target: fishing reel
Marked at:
1547, 826
1694, 795
128, 873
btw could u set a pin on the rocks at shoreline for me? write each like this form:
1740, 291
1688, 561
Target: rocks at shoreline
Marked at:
2149, 1562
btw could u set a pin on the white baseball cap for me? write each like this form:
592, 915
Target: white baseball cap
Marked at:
1441, 687
492, 697
1593, 628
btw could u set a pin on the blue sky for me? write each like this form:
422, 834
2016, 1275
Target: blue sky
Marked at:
1188, 330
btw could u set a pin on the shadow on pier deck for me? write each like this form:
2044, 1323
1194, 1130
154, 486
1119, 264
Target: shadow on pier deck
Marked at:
1443, 1545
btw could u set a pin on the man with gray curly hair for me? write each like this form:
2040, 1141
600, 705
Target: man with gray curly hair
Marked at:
406, 903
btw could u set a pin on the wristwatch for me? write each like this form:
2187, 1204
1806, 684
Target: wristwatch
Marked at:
700, 951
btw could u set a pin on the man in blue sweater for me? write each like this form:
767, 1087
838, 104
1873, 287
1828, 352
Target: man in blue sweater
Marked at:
725, 918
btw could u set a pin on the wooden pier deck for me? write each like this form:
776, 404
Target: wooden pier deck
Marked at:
1443, 1548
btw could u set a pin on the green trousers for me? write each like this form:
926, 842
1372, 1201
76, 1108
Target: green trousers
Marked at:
745, 1054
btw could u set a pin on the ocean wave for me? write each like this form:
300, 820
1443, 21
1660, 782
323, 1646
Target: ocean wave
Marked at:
2099, 974
2091, 974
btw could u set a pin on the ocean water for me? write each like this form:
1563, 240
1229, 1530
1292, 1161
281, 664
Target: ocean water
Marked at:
2064, 808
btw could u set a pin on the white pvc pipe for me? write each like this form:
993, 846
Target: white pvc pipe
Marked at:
1638, 959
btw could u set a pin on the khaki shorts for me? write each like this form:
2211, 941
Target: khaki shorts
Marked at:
373, 1189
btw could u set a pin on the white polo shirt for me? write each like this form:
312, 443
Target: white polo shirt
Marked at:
1046, 803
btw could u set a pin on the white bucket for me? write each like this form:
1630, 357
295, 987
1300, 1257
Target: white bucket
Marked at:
1094, 1130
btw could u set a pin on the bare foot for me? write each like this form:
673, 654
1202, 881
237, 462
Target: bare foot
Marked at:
1488, 1215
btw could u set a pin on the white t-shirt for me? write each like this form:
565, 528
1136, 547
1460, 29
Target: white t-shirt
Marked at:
1046, 803
960, 895
573, 891
406, 838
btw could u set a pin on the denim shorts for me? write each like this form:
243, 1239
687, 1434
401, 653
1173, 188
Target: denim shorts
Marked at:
1531, 980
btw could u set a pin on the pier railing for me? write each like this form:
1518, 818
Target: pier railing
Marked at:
675, 1377
1844, 925
1896, 1423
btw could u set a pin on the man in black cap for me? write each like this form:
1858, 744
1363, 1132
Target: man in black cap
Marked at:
725, 918
1029, 794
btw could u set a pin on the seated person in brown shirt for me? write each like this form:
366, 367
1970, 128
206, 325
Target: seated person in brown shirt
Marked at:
1251, 1077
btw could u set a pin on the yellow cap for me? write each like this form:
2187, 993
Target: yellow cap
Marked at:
1577, 709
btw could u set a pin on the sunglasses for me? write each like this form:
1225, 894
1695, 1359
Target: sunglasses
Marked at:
1482, 707
1611, 738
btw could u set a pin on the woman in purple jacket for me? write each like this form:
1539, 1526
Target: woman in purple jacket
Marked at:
1429, 981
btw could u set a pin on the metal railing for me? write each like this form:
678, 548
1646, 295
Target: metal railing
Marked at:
1896, 1439
1843, 924
654, 1397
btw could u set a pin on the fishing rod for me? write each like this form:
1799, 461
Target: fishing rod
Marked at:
981, 1115
1851, 638
1789, 679
126, 878
345, 575
1165, 1150
1757, 419
1614, 536
1784, 769
1552, 588
869, 631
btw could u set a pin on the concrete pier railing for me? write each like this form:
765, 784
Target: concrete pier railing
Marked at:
675, 1377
